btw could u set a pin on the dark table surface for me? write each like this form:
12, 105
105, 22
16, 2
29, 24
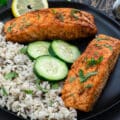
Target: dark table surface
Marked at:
106, 7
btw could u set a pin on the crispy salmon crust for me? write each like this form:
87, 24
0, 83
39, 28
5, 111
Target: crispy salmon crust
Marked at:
48, 24
83, 95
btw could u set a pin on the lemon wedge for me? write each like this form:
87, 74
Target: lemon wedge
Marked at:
20, 7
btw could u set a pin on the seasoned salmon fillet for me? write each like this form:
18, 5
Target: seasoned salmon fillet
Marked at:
48, 24
90, 72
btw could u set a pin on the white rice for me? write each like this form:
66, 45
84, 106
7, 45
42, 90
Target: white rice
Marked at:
36, 106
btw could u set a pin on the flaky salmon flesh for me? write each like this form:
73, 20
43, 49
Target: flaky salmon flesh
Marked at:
90, 72
49, 24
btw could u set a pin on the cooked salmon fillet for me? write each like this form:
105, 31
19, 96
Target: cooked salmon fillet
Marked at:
90, 72
48, 24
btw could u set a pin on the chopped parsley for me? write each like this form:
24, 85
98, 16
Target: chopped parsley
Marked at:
99, 39
55, 85
9, 29
23, 50
98, 46
53, 11
60, 17
51, 103
93, 62
84, 78
39, 87
27, 24
72, 79
105, 45
89, 86
73, 13
96, 53
4, 92
10, 75
108, 46
28, 91
24, 24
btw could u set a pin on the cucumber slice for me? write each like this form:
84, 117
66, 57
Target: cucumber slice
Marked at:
65, 51
50, 68
39, 48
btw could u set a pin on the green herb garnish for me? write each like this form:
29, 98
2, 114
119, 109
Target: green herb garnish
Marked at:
27, 24
39, 87
10, 75
99, 39
24, 24
96, 53
4, 92
55, 85
73, 13
98, 46
72, 79
23, 50
51, 103
9, 29
28, 91
60, 16
108, 46
84, 78
89, 86
93, 62
53, 11
105, 45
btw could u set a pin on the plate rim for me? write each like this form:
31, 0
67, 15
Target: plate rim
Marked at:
116, 24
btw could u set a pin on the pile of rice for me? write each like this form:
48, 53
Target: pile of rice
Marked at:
36, 106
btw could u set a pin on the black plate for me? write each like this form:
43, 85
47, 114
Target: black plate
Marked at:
111, 94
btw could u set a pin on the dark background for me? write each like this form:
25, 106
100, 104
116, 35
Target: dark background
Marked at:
104, 6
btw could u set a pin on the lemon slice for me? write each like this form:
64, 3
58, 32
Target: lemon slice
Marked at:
20, 7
